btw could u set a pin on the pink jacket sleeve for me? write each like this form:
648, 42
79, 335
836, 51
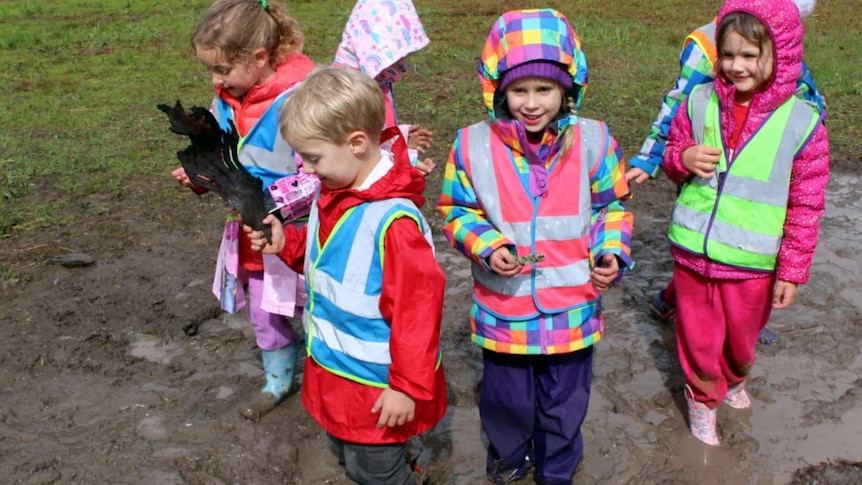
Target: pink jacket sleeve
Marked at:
805, 206
679, 139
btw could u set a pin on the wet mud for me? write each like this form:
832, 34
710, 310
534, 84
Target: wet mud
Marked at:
125, 371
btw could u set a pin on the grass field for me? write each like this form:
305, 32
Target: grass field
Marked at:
83, 79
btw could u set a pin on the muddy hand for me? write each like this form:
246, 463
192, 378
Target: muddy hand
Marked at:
606, 271
258, 238
785, 293
701, 160
425, 166
503, 262
636, 174
419, 138
395, 408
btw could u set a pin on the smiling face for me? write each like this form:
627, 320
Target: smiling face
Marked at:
236, 77
745, 64
535, 102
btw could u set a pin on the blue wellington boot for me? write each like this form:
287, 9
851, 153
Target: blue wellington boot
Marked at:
279, 366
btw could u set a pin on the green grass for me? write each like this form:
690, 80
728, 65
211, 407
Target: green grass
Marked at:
83, 77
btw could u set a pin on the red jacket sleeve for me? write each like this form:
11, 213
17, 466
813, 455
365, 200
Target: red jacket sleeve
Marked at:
412, 301
293, 252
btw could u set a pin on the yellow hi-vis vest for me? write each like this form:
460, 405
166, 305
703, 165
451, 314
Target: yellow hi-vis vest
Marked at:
737, 216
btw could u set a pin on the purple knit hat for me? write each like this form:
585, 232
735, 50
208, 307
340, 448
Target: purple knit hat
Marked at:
543, 69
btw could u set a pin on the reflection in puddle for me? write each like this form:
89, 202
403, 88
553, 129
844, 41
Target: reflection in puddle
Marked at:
453, 452
840, 242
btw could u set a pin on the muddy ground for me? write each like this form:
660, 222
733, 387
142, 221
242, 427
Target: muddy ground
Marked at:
126, 372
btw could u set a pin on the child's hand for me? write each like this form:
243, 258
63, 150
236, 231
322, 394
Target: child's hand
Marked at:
785, 293
701, 160
425, 166
395, 408
182, 177
503, 263
236, 216
258, 242
605, 272
419, 138
637, 175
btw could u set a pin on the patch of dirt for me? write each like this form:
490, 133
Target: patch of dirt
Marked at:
126, 371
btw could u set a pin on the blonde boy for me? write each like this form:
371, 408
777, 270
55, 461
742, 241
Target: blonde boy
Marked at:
373, 378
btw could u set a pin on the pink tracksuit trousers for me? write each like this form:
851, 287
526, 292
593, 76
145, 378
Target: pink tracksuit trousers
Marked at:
717, 322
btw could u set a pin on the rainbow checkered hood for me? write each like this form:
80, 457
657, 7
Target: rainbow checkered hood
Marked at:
521, 36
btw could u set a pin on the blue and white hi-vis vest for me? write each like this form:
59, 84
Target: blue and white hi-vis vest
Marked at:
262, 150
346, 334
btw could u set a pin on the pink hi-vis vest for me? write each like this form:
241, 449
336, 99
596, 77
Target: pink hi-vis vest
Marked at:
556, 225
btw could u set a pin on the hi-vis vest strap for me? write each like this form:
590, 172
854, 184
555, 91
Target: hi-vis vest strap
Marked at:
262, 150
704, 37
737, 216
556, 225
346, 334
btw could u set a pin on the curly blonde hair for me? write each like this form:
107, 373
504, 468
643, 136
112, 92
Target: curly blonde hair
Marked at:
236, 28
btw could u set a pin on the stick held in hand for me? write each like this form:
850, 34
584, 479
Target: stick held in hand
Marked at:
212, 162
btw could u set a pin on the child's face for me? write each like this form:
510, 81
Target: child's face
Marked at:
743, 63
534, 101
237, 78
393, 73
336, 165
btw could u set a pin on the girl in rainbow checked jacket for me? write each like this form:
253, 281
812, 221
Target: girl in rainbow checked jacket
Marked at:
534, 198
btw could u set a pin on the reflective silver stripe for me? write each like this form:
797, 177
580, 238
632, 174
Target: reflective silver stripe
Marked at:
349, 295
554, 228
699, 99
725, 233
689, 218
521, 285
344, 297
373, 352
708, 30
750, 241
764, 192
775, 190
281, 159
562, 228
593, 143
482, 172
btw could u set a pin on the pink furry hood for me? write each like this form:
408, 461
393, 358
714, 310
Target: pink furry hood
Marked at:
781, 18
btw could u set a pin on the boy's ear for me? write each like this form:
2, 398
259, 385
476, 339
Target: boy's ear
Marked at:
359, 143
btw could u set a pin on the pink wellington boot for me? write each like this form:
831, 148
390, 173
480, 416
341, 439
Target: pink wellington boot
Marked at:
701, 420
737, 397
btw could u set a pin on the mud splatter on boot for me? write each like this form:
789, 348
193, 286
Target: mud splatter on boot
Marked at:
701, 419
279, 366
737, 397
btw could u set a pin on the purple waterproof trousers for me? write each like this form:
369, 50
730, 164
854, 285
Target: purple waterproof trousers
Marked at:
272, 331
534, 405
